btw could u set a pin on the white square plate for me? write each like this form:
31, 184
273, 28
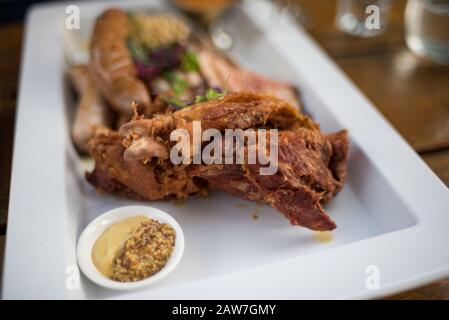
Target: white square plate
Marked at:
392, 214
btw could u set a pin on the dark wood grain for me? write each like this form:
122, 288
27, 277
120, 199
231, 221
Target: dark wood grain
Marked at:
9, 71
2, 254
411, 92
439, 162
434, 291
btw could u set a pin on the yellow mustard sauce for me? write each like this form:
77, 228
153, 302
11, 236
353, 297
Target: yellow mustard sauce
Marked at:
112, 240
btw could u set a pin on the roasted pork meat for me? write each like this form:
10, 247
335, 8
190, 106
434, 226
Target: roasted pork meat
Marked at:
135, 161
221, 72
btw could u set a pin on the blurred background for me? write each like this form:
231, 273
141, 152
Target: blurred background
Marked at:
396, 52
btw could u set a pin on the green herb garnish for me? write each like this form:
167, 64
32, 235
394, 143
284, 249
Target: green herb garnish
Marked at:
137, 50
173, 101
189, 62
178, 84
211, 94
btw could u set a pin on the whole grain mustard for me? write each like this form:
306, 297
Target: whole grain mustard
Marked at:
133, 249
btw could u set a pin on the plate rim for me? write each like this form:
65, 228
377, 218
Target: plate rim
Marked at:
294, 38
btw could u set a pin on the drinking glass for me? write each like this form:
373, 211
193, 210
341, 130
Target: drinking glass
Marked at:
363, 18
427, 28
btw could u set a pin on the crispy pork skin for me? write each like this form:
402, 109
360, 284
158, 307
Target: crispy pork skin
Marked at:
311, 165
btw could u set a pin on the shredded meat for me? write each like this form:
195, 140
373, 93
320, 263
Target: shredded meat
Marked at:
311, 165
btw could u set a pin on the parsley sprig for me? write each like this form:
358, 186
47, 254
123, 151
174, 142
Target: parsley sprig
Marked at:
211, 94
189, 62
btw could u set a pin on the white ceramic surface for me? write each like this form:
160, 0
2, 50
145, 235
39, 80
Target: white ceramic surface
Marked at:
98, 226
392, 214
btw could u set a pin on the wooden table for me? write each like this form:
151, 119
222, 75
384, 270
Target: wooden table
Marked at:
411, 92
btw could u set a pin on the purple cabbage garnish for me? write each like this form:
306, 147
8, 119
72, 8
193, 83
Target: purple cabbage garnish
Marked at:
159, 61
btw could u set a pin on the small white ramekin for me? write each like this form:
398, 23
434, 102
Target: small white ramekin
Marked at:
96, 228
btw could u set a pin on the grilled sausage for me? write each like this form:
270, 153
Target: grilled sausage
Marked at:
91, 110
111, 65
